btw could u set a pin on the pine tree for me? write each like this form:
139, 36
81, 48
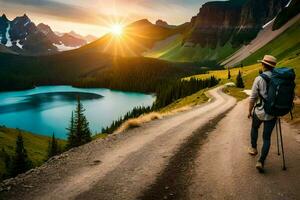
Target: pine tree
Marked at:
53, 148
86, 133
7, 162
239, 81
20, 161
79, 132
71, 133
229, 75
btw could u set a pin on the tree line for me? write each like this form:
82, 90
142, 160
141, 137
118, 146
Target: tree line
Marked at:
19, 162
79, 132
21, 72
135, 112
167, 93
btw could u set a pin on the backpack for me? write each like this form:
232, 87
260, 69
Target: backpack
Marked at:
280, 91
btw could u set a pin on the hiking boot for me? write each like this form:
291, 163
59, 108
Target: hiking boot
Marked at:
260, 167
252, 151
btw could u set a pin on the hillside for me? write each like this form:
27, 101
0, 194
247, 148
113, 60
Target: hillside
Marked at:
287, 14
283, 47
264, 37
289, 56
217, 31
35, 145
84, 68
136, 39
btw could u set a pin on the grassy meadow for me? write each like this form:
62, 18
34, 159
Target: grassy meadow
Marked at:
36, 145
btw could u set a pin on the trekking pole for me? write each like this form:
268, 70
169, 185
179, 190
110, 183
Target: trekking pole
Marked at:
278, 152
282, 149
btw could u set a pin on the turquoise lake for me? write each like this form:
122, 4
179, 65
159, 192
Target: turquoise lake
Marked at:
46, 110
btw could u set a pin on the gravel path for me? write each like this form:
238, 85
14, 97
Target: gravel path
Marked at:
122, 166
224, 170
197, 154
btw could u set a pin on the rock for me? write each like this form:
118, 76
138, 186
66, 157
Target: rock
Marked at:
235, 21
96, 162
231, 84
27, 186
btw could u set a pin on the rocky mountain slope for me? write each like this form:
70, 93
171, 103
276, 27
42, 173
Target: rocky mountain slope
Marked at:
88, 38
237, 22
219, 29
22, 36
261, 44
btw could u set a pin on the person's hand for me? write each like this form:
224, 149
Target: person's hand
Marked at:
249, 115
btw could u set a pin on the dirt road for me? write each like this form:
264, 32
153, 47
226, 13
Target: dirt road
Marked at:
223, 170
122, 166
197, 154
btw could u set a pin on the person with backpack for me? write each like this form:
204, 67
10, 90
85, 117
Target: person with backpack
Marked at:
272, 96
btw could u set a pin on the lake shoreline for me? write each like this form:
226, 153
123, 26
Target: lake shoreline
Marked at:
47, 109
31, 88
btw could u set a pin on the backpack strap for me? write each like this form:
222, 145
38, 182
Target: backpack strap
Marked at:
267, 79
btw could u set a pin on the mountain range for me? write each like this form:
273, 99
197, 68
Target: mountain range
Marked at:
223, 33
22, 36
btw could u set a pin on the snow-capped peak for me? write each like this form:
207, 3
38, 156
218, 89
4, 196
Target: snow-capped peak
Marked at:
8, 43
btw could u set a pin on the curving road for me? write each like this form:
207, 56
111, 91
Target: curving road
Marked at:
123, 165
197, 154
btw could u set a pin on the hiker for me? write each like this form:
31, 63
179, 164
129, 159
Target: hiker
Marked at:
258, 114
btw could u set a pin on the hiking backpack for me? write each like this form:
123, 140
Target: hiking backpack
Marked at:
280, 91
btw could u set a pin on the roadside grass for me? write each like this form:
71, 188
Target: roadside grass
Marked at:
99, 136
192, 100
223, 74
35, 145
249, 74
236, 92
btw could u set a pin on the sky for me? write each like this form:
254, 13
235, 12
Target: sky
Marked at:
97, 16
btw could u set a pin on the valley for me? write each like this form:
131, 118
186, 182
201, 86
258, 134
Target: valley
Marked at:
162, 103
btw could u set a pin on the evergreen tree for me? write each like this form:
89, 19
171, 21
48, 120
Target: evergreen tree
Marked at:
229, 74
7, 161
239, 81
71, 133
20, 161
79, 132
53, 148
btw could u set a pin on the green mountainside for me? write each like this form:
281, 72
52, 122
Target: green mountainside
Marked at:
285, 46
35, 145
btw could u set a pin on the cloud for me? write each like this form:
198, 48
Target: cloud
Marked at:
102, 13
59, 10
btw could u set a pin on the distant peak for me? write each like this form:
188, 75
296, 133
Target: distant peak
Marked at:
25, 16
43, 25
141, 22
146, 21
4, 16
161, 23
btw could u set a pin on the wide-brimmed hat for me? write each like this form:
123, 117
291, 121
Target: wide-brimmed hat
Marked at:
269, 60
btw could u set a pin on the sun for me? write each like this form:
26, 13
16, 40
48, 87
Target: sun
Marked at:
117, 29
